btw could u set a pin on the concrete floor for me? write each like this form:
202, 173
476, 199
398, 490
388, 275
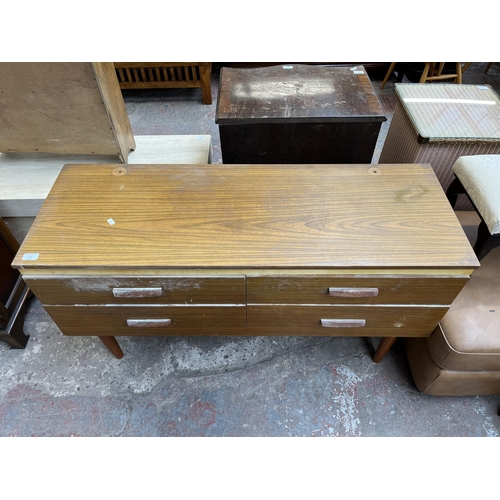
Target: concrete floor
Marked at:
223, 386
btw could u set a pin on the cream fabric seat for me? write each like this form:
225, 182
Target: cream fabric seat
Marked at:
480, 177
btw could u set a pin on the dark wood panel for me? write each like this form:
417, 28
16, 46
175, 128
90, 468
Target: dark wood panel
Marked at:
296, 143
391, 290
8, 276
378, 321
13, 293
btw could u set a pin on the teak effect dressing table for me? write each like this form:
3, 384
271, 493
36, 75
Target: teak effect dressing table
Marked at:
335, 250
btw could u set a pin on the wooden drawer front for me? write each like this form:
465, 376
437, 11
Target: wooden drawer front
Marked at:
138, 290
355, 321
144, 320
353, 290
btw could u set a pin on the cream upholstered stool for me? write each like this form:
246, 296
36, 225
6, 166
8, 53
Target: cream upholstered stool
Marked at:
462, 355
479, 177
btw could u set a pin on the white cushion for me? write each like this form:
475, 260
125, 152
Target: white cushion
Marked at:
480, 176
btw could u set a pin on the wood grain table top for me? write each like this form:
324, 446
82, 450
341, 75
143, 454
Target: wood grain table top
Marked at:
246, 216
296, 93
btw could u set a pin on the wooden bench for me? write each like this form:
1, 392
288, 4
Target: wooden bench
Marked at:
166, 75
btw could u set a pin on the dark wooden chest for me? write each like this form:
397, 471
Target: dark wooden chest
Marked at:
297, 114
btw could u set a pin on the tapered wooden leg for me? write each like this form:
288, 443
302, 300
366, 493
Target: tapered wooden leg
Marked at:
483, 235
383, 348
459, 73
112, 345
388, 74
425, 72
454, 190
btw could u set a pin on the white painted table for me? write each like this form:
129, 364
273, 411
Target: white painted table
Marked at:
26, 179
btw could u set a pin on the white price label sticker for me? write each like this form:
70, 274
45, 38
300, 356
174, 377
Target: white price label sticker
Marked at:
31, 256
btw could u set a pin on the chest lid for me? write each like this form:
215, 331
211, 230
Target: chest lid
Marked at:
296, 93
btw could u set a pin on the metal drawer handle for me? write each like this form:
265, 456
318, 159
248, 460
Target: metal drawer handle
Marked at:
148, 323
136, 293
353, 292
343, 323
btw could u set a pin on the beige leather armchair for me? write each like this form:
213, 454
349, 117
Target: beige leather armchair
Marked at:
462, 355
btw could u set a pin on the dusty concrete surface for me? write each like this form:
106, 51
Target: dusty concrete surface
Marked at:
285, 386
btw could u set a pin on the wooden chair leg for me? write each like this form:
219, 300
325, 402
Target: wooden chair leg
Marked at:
465, 66
12, 326
15, 336
4, 316
205, 77
112, 345
458, 79
425, 72
454, 189
483, 235
388, 75
488, 68
383, 348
